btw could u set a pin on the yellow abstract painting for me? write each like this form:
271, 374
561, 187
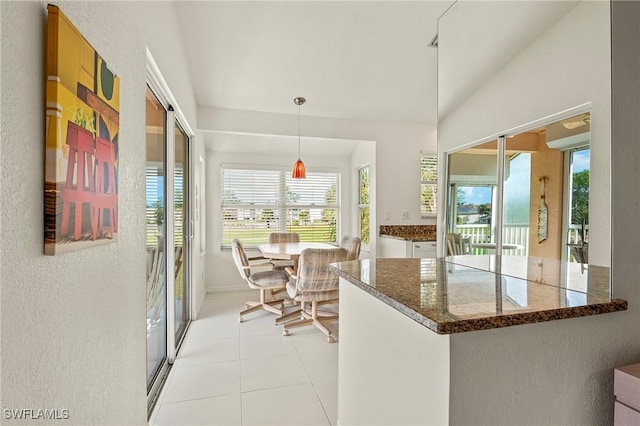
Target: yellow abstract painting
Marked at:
81, 142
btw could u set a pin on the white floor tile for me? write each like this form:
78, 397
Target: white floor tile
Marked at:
293, 405
327, 391
187, 382
310, 339
272, 372
283, 380
266, 345
214, 327
221, 410
202, 351
321, 365
259, 324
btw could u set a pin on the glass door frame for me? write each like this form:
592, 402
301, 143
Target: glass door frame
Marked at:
500, 172
174, 117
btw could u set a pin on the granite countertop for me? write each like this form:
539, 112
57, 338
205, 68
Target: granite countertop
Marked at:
468, 293
409, 232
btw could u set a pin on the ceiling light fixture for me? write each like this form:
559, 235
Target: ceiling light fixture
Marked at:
298, 168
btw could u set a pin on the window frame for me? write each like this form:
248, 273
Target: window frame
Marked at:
282, 206
432, 183
362, 206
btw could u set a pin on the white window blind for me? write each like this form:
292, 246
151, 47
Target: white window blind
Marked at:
256, 202
363, 204
154, 216
428, 185
178, 232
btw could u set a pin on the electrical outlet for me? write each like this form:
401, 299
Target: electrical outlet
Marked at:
387, 215
405, 214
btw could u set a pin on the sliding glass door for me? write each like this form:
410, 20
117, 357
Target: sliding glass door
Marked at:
168, 237
180, 215
155, 237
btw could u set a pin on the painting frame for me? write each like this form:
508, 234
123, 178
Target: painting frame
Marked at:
82, 115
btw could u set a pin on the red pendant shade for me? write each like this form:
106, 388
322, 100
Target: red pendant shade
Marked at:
298, 170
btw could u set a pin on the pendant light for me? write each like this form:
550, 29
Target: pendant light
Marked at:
298, 168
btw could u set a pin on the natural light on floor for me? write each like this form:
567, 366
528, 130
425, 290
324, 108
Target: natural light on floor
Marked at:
231, 373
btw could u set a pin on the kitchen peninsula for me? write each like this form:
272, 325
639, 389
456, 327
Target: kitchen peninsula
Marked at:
428, 339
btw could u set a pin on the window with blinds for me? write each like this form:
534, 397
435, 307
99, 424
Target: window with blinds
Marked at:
428, 185
154, 217
363, 204
257, 202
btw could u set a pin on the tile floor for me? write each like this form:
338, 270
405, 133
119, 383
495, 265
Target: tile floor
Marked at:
230, 373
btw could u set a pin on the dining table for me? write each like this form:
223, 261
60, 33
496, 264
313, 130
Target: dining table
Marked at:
290, 251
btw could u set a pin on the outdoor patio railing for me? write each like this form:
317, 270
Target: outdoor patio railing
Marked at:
516, 233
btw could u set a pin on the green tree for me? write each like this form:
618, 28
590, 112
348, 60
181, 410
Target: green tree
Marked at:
304, 217
428, 197
484, 208
364, 201
292, 197
329, 215
580, 198
460, 197
268, 216
364, 186
364, 225
158, 211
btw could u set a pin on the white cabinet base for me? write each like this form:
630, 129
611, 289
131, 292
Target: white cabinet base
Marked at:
392, 370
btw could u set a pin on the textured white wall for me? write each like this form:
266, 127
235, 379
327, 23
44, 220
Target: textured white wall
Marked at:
561, 372
73, 326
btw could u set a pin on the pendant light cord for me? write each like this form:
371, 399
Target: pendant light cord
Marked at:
298, 132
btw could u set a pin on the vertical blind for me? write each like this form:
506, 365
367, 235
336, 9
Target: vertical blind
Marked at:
256, 202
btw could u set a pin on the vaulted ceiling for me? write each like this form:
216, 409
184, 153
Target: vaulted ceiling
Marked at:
355, 60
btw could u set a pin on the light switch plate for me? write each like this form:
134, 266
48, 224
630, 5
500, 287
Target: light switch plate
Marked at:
387, 215
405, 214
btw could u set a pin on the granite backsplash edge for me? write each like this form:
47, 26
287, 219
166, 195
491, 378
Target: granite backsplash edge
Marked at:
409, 232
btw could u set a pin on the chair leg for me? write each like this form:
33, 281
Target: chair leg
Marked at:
262, 304
296, 324
287, 317
313, 319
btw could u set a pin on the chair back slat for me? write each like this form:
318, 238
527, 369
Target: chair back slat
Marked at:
352, 245
314, 272
240, 258
284, 237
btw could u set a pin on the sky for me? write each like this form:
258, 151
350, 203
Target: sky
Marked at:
476, 194
518, 177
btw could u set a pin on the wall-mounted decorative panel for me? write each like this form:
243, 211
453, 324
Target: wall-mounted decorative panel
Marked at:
81, 142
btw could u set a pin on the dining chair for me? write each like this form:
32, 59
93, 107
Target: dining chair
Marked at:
352, 246
315, 282
283, 237
456, 244
262, 280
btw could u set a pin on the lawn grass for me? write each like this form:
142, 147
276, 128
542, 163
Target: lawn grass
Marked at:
318, 232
